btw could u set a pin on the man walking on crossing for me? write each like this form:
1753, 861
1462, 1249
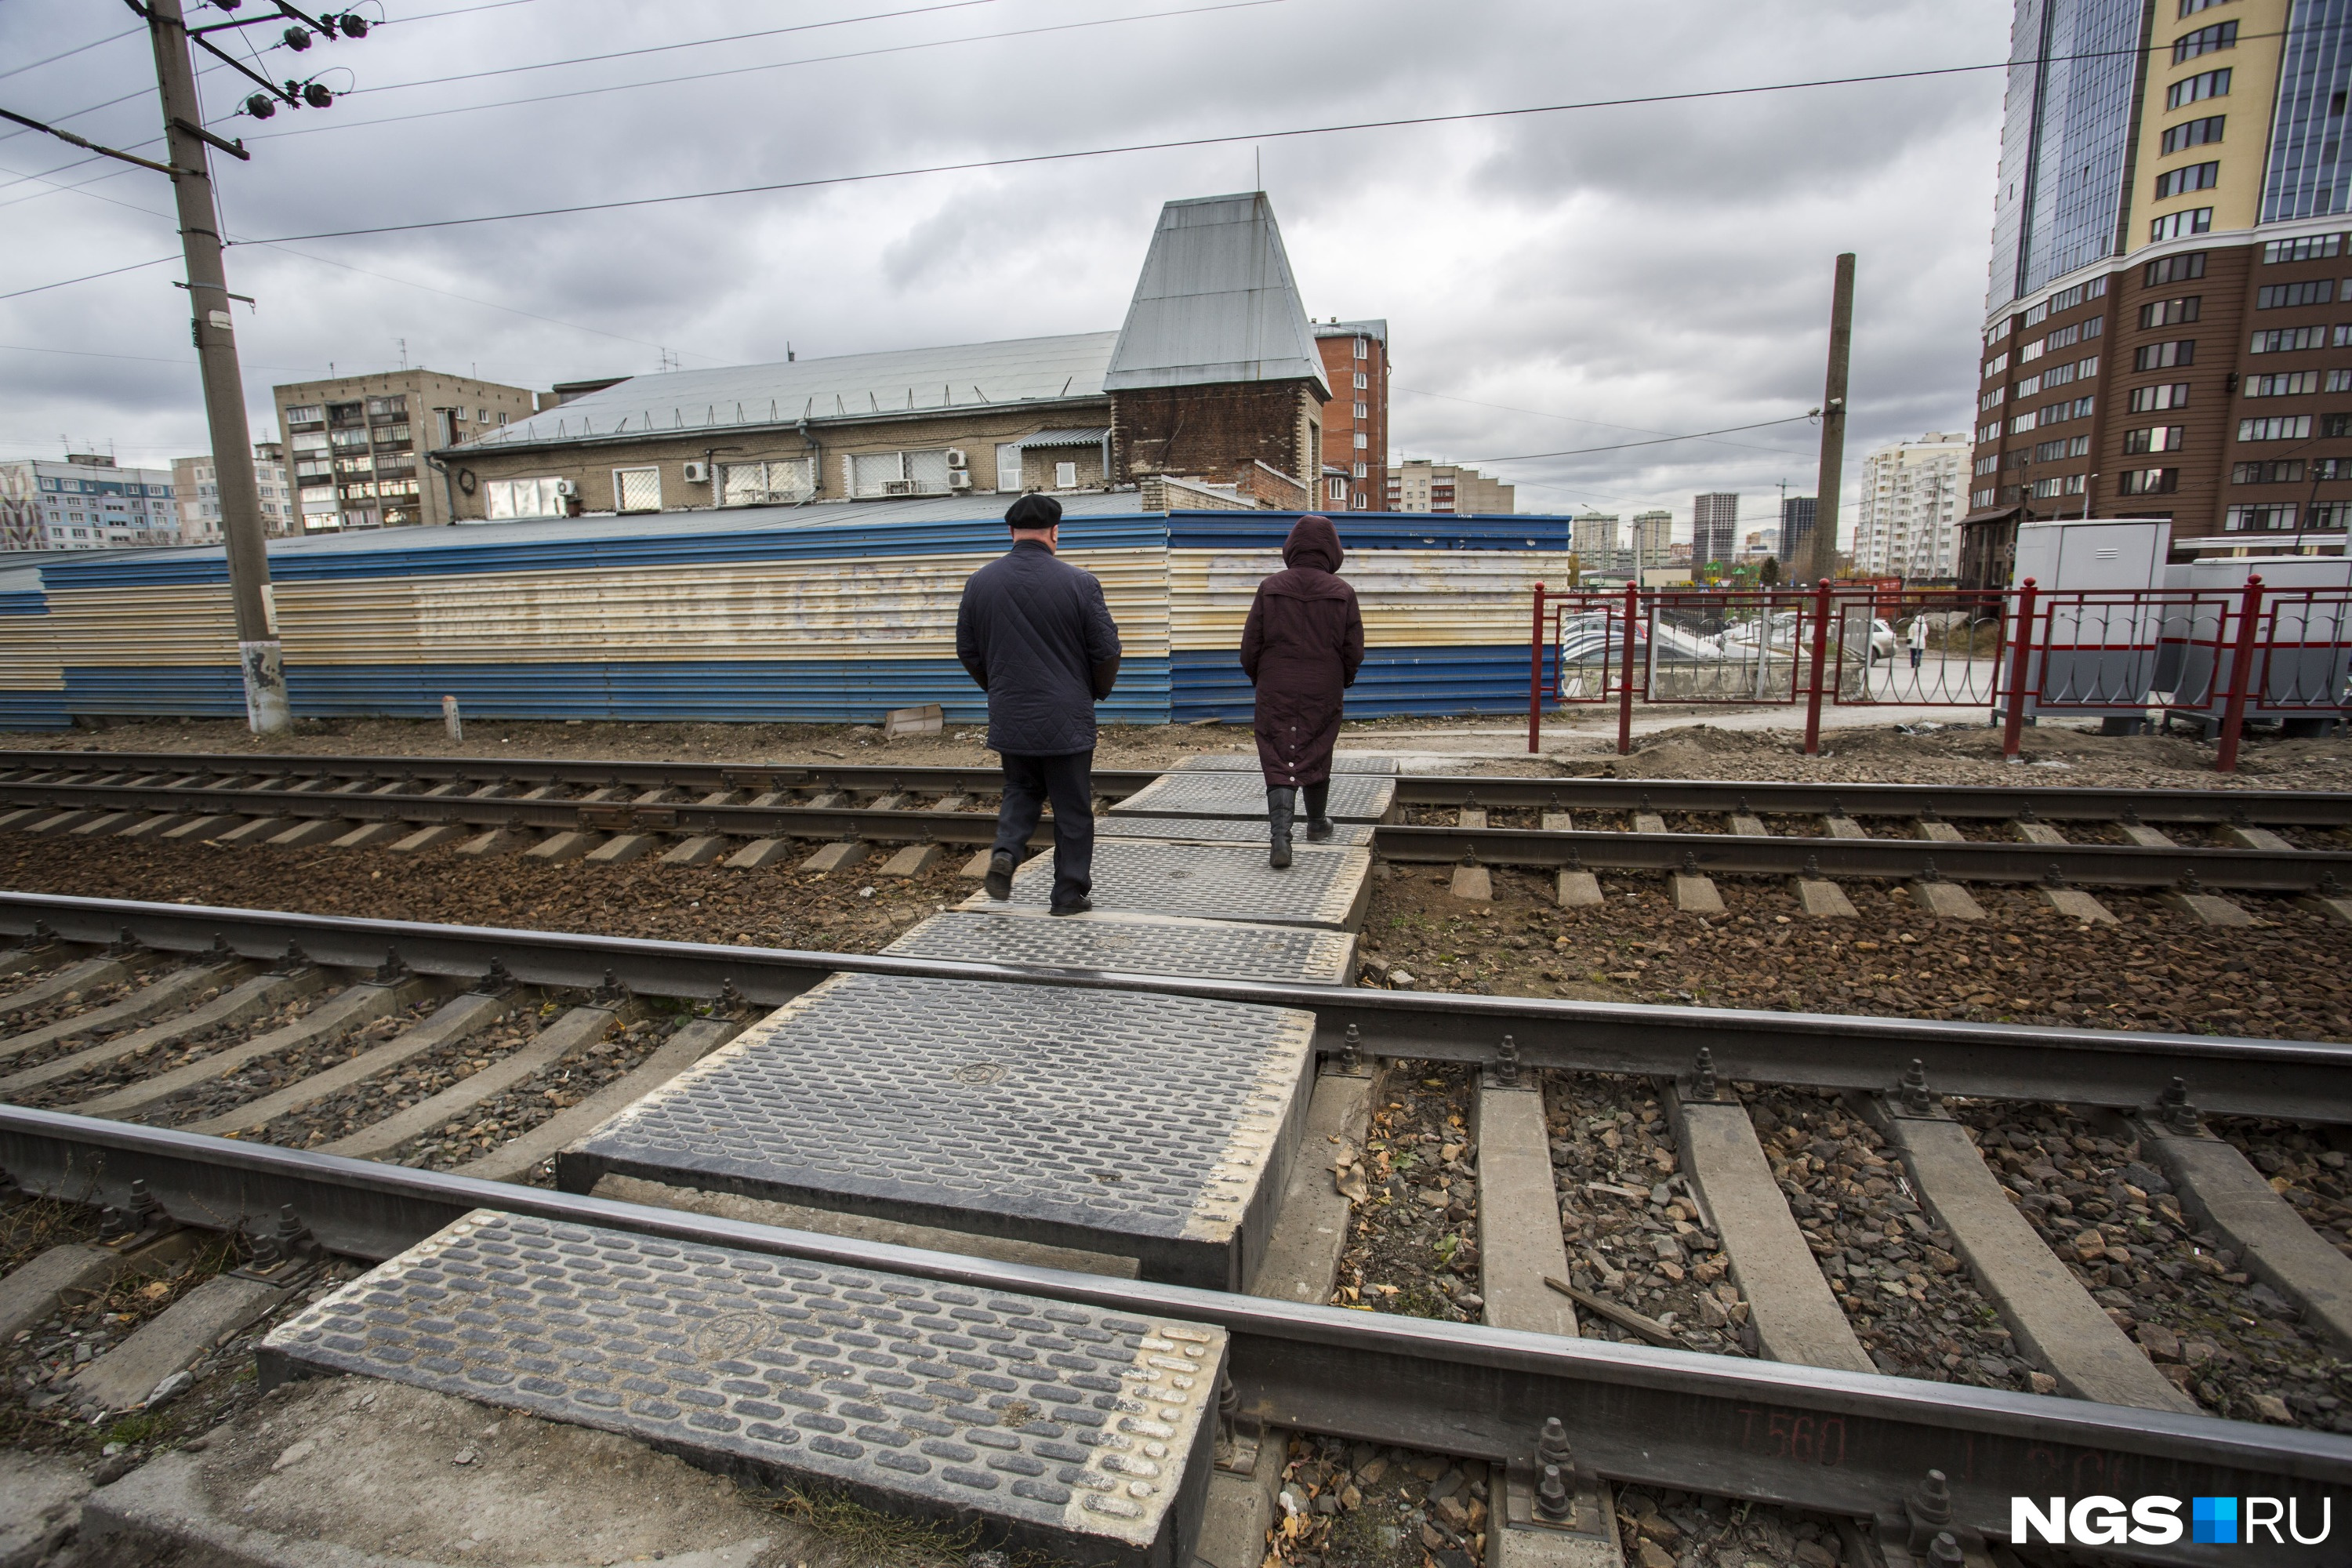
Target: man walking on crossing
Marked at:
1034, 634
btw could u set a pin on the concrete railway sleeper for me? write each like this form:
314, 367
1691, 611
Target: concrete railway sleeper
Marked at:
1054, 1225
1306, 1377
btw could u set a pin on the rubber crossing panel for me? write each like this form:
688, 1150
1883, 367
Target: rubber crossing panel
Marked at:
1156, 1128
1217, 950
1084, 1434
1247, 763
1322, 886
1355, 798
1221, 830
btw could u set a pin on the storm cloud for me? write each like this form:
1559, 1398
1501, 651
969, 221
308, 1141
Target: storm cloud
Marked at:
1552, 281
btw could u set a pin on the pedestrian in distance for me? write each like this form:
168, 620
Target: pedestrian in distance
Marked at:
1919, 638
1034, 634
1301, 647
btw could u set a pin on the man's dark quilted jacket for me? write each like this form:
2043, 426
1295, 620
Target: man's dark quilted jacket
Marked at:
1034, 633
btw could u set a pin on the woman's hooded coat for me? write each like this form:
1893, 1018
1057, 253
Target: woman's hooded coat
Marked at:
1301, 649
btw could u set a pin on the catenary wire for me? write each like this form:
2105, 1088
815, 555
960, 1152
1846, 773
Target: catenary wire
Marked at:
665, 49
698, 77
1569, 419
1659, 441
78, 48
1398, 122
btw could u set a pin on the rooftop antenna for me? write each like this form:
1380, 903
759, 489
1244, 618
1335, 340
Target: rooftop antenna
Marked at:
789, 355
404, 352
1257, 160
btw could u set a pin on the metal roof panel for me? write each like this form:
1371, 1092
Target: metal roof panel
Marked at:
1216, 302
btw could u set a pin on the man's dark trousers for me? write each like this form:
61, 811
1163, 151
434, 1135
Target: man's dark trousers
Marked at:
1068, 782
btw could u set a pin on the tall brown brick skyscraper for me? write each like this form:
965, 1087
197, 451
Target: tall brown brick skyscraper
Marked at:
1356, 420
2169, 329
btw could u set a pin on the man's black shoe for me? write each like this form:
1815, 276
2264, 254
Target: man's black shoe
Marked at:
1081, 907
999, 880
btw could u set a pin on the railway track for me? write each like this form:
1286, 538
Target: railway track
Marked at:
2205, 843
1631, 1413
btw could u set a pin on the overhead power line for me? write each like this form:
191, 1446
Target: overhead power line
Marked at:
1175, 144
1660, 441
78, 48
665, 48
1572, 418
706, 76
86, 278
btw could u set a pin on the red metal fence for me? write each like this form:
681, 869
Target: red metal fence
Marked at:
2213, 658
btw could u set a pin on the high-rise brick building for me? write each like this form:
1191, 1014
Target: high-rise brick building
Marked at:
1356, 420
2167, 331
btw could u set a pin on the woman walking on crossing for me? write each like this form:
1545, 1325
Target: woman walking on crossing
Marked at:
1301, 647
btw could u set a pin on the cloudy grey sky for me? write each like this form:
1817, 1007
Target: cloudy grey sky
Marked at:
1553, 281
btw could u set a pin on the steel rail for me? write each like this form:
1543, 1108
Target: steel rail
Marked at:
2097, 864
1840, 1443
601, 817
531, 770
2294, 1079
2315, 808
1737, 855
1964, 802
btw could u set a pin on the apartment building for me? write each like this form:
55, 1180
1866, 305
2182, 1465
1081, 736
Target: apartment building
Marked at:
1420, 484
1715, 527
356, 444
1650, 538
85, 502
1356, 421
197, 489
1908, 524
2166, 330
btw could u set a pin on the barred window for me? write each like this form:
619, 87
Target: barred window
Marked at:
2191, 177
2205, 41
2276, 427
2310, 247
2287, 470
2287, 384
2191, 133
2197, 89
2287, 340
2280, 296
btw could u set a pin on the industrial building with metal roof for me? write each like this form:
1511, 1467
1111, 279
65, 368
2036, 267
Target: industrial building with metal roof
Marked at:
1213, 381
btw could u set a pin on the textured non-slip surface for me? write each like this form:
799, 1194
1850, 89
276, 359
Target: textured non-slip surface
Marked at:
1216, 950
1355, 798
1247, 763
1321, 887
1086, 1432
1221, 830
1148, 1127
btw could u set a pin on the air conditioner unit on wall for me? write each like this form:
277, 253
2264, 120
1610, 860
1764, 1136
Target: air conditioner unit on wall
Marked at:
565, 488
698, 473
956, 459
958, 479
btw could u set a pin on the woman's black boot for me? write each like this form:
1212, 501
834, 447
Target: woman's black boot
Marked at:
1280, 803
1319, 806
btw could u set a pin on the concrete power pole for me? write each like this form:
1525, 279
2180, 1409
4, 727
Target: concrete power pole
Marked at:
1821, 546
248, 561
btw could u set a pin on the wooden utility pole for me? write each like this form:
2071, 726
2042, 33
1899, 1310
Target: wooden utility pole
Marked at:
1821, 546
258, 646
